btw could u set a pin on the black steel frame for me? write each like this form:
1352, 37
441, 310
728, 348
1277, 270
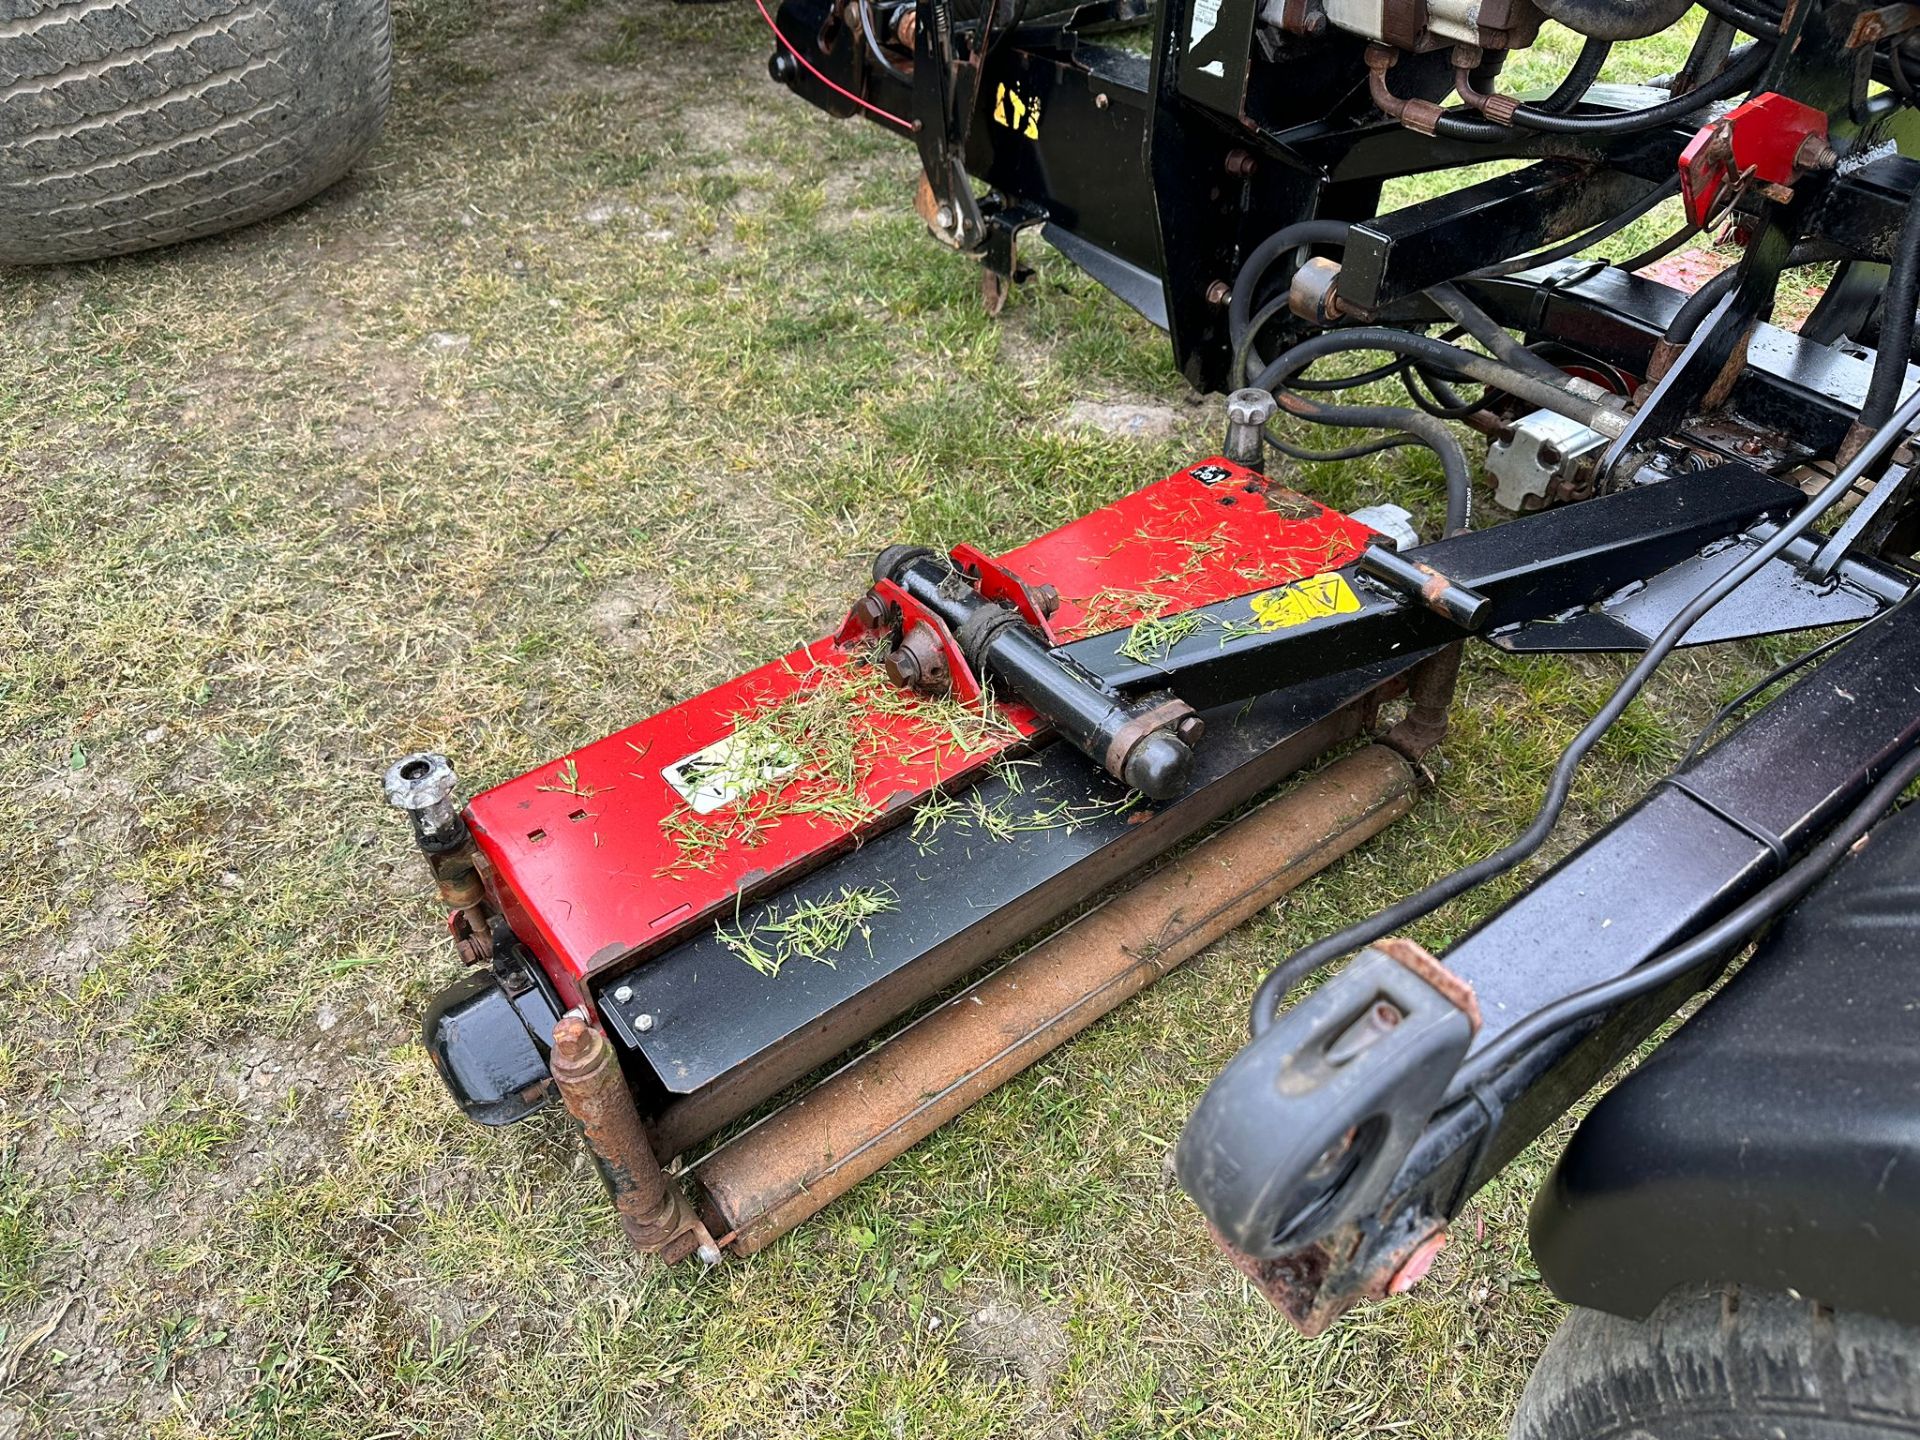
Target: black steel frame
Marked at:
1158, 177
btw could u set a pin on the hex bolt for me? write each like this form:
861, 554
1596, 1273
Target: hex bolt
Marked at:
1047, 597
944, 217
643, 1023
1219, 292
1241, 163
1248, 412
623, 995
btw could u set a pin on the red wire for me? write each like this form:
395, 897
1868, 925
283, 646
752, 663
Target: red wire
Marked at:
906, 125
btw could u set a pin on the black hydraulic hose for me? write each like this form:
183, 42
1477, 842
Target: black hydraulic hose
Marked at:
1490, 333
1346, 452
1606, 229
1579, 79
1709, 944
1895, 346
1309, 958
1424, 428
1743, 69
1659, 251
1557, 395
1751, 21
1696, 306
1256, 265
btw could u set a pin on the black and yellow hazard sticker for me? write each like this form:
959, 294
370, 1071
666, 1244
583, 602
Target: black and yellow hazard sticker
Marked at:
1019, 113
1314, 598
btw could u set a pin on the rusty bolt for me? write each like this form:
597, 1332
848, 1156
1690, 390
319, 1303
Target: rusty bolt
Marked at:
1219, 292
1241, 163
1047, 597
1190, 731
868, 612
1815, 154
918, 663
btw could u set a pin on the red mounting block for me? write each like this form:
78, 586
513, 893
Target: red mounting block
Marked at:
1769, 140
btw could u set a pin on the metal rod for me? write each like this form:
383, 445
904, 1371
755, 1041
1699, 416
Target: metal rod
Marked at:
653, 1209
792, 1164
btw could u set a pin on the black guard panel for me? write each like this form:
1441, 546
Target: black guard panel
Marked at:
1774, 1141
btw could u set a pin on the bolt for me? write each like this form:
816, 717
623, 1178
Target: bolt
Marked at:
868, 612
1100, 101
709, 1255
944, 217
1219, 292
623, 994
1241, 164
1047, 597
643, 1023
1190, 730
782, 68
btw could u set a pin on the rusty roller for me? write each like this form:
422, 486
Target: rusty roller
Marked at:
792, 1164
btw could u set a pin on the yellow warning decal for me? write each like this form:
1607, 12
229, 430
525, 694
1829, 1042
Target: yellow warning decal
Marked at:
1017, 112
1311, 599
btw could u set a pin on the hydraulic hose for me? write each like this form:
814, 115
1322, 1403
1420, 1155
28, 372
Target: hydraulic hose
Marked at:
1696, 307
1742, 70
1579, 79
1557, 395
1606, 229
1490, 333
1254, 269
1616, 19
1424, 428
1895, 345
1309, 958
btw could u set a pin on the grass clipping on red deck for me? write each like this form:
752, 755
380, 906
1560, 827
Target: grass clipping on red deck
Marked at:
809, 754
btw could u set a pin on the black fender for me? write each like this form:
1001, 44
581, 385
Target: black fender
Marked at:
1774, 1140
491, 1048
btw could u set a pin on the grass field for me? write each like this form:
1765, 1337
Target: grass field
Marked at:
602, 379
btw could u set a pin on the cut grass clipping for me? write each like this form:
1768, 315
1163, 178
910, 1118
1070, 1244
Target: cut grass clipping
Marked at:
809, 754
816, 930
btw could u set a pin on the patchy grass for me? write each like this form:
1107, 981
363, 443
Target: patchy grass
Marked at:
604, 378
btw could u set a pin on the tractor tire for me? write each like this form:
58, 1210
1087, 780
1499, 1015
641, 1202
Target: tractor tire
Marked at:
1725, 1364
128, 124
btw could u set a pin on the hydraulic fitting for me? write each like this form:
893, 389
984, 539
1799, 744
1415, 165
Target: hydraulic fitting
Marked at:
1248, 412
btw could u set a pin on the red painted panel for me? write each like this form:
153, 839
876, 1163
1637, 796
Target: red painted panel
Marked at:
576, 851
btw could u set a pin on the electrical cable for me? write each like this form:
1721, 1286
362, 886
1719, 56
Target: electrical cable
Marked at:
1490, 333
811, 69
1653, 254
1309, 958
874, 48
1780, 672
1710, 943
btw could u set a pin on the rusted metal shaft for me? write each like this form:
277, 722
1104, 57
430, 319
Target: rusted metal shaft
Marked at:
653, 1209
789, 1166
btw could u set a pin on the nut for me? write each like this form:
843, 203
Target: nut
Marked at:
1250, 407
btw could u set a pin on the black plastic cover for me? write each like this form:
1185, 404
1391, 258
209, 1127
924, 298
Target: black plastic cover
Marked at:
484, 1045
1774, 1141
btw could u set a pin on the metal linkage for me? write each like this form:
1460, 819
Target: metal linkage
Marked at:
1323, 1228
